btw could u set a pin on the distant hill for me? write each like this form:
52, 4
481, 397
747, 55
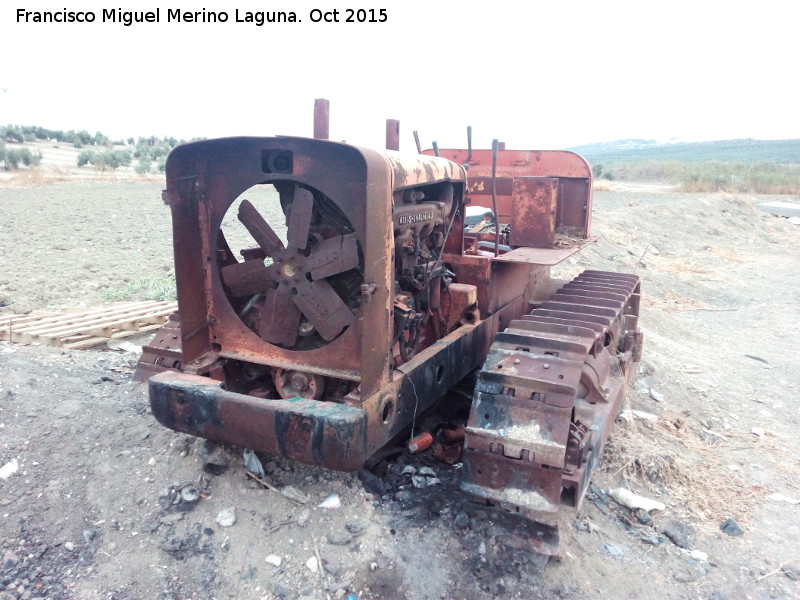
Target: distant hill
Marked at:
635, 150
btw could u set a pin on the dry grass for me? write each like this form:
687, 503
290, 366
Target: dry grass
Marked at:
729, 255
602, 185
44, 175
670, 302
36, 176
669, 455
713, 175
677, 268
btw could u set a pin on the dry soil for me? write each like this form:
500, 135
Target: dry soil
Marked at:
103, 505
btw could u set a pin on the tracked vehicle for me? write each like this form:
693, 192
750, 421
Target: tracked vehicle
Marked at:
388, 288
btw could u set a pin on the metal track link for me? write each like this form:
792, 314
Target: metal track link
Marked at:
546, 399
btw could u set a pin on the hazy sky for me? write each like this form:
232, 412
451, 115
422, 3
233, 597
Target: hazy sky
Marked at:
533, 74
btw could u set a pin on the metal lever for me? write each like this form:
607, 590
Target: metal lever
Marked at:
469, 147
494, 199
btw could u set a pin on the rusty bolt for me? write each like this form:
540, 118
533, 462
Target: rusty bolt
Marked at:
299, 381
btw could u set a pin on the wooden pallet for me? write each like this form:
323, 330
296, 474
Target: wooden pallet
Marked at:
85, 327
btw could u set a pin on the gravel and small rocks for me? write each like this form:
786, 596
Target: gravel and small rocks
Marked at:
461, 521
338, 539
372, 483
312, 564
150, 544
731, 527
190, 494
226, 517
274, 560
613, 550
679, 533
292, 493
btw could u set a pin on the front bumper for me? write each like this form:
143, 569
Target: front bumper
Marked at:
327, 434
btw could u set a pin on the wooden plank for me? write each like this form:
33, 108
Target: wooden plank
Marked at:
85, 327
76, 338
115, 321
55, 317
17, 319
96, 341
83, 309
94, 316
85, 323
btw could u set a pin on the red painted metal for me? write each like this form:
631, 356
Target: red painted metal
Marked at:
419, 443
322, 113
574, 197
392, 134
534, 202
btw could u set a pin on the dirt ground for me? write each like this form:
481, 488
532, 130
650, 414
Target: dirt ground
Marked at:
107, 504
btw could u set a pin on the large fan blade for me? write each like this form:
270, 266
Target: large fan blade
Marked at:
322, 306
260, 230
333, 256
247, 278
300, 218
280, 319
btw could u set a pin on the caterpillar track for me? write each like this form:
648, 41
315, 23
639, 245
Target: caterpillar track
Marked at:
546, 399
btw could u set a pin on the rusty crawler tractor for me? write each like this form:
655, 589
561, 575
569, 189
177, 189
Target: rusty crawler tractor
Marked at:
322, 346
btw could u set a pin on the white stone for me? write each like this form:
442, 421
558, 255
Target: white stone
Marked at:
312, 564
782, 498
274, 560
227, 517
9, 469
631, 500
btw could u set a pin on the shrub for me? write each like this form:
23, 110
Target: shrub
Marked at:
85, 157
16, 156
144, 166
108, 159
10, 160
31, 159
84, 137
714, 175
13, 133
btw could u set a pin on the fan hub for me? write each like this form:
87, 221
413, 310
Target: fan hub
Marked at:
294, 284
294, 384
289, 269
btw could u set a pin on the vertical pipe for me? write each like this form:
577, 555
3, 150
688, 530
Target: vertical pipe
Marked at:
469, 143
416, 141
392, 134
495, 145
322, 114
436, 148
